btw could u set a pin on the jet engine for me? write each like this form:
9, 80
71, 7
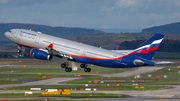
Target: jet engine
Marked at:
40, 54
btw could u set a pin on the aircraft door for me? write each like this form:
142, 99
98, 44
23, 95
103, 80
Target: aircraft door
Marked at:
84, 51
15, 34
118, 60
37, 39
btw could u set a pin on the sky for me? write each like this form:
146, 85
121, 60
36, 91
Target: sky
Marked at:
104, 14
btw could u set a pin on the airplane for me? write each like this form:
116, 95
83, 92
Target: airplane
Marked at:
46, 46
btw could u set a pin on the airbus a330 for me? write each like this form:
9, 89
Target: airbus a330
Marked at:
46, 46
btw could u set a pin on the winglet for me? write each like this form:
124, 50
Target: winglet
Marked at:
50, 46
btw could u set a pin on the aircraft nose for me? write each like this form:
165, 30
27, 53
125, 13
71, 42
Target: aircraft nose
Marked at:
7, 34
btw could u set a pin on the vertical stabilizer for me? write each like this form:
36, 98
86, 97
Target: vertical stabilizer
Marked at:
148, 48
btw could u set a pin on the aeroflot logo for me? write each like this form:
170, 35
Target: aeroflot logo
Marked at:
26, 34
153, 44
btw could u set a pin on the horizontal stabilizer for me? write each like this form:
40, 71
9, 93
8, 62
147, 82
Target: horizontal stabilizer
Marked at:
163, 62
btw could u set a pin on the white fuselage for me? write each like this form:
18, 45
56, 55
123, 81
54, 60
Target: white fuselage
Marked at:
34, 39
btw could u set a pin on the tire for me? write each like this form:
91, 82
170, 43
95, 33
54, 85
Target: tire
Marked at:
89, 69
83, 65
67, 69
86, 69
63, 65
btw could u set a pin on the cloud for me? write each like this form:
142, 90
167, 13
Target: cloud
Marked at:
4, 1
177, 3
131, 5
128, 3
128, 14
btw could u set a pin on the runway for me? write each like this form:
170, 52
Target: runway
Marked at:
52, 81
172, 93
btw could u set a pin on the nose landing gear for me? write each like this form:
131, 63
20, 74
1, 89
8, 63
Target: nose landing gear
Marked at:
19, 49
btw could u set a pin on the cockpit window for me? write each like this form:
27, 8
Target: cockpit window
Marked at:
10, 31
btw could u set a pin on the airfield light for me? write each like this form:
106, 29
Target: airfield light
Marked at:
149, 75
39, 73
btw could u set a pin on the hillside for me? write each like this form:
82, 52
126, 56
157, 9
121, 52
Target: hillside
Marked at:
87, 36
55, 31
111, 41
167, 45
173, 28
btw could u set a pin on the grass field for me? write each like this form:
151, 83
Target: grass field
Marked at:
27, 69
51, 100
42, 66
113, 80
170, 72
72, 95
111, 87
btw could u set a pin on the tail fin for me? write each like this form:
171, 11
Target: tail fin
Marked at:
148, 48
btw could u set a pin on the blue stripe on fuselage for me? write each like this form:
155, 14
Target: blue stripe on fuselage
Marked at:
118, 63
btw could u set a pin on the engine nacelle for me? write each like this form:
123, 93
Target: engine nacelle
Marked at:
40, 54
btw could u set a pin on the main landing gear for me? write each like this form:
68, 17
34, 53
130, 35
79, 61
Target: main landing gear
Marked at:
65, 65
67, 69
85, 68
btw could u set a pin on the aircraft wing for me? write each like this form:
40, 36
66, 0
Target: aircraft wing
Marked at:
57, 53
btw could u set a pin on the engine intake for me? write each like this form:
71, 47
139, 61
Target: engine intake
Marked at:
40, 54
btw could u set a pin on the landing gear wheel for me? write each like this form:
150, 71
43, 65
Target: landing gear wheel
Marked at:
63, 65
68, 69
87, 69
83, 65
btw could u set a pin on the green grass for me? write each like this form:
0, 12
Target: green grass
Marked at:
52, 100
10, 82
98, 87
112, 80
72, 95
43, 66
172, 73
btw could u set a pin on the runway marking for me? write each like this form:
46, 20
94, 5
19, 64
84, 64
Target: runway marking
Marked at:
161, 97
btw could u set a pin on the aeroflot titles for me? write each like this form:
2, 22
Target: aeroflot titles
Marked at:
26, 34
